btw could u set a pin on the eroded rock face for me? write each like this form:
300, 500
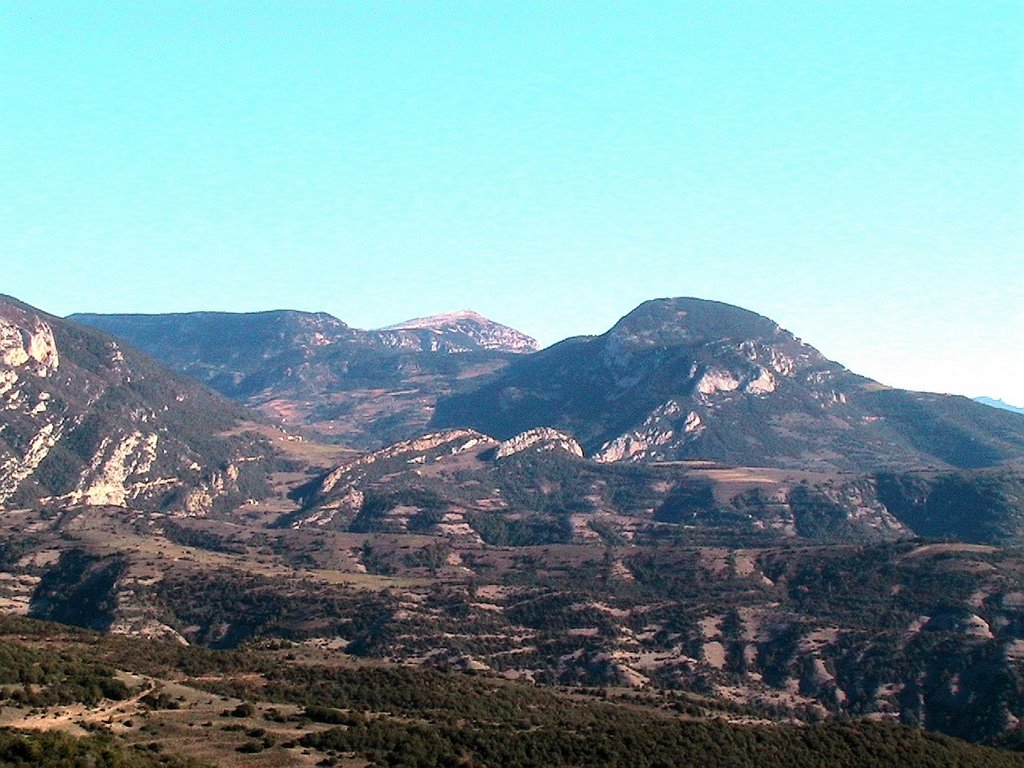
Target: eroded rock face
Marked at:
28, 340
28, 352
539, 439
717, 380
763, 384
16, 469
667, 425
753, 381
115, 464
844, 507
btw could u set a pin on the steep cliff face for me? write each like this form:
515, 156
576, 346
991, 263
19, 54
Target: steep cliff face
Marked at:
84, 420
685, 379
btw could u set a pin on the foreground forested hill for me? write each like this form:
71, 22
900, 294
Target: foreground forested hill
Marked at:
134, 703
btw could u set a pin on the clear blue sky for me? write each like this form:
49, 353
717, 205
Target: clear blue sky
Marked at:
853, 170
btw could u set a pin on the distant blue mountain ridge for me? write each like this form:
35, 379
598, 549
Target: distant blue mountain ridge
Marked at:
999, 404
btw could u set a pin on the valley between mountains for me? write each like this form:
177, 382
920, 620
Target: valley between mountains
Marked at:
692, 537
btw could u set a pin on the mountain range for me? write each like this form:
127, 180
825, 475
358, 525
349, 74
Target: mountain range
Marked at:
363, 388
675, 379
694, 504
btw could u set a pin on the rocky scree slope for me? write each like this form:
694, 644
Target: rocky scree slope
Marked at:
685, 378
87, 420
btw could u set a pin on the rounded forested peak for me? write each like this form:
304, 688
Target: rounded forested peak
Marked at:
10, 301
688, 320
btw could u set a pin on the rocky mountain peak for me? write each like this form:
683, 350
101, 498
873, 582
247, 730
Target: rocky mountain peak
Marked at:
445, 319
461, 331
729, 347
689, 379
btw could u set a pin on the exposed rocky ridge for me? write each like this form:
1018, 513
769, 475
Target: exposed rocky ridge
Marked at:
454, 441
365, 388
86, 420
342, 489
481, 496
682, 379
539, 439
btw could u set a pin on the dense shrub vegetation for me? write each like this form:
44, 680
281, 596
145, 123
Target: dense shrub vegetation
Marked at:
32, 677
50, 749
620, 739
408, 716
